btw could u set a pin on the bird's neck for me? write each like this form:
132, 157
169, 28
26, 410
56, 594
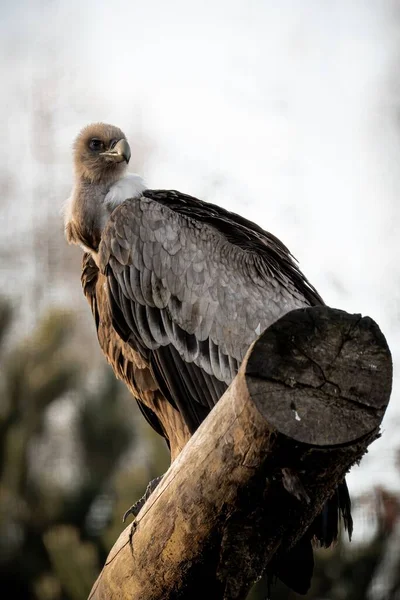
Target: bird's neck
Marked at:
90, 206
84, 215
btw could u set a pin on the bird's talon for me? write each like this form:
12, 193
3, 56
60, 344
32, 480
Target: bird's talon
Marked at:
130, 511
134, 509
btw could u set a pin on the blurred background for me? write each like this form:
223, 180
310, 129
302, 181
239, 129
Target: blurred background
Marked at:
287, 112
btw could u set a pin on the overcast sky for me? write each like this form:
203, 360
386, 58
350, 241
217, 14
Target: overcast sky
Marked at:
284, 111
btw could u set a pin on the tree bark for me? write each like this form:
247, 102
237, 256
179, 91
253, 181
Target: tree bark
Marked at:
306, 403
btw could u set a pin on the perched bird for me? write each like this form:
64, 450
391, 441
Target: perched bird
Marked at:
179, 289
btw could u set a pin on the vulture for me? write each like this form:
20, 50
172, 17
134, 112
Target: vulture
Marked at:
179, 289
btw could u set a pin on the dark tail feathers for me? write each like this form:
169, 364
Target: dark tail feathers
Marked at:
295, 568
325, 528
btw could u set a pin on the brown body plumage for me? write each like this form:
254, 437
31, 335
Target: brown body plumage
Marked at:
129, 365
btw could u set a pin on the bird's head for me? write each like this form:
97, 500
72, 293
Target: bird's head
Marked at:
101, 153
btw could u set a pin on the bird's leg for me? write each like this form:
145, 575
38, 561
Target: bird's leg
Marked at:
135, 508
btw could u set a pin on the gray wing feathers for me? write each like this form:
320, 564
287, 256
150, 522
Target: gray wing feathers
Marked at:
184, 284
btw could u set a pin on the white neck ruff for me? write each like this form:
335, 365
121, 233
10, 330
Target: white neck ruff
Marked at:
129, 186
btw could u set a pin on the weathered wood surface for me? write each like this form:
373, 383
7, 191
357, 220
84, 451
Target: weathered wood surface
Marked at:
307, 402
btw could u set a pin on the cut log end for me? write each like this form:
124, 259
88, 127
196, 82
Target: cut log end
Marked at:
321, 376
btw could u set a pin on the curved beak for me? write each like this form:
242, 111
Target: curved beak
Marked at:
119, 152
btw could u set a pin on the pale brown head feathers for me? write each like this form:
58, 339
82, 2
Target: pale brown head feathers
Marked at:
101, 153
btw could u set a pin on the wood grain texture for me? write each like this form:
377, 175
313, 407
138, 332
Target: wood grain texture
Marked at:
306, 403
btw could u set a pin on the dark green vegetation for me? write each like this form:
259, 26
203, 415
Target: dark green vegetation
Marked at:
74, 454
68, 469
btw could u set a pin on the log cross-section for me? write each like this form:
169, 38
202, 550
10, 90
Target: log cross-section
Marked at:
307, 402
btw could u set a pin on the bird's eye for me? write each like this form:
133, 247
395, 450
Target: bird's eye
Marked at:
95, 144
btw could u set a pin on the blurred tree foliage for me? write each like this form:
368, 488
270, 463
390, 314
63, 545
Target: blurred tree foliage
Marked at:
66, 469
75, 454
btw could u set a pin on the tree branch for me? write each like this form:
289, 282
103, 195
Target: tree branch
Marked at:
306, 403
